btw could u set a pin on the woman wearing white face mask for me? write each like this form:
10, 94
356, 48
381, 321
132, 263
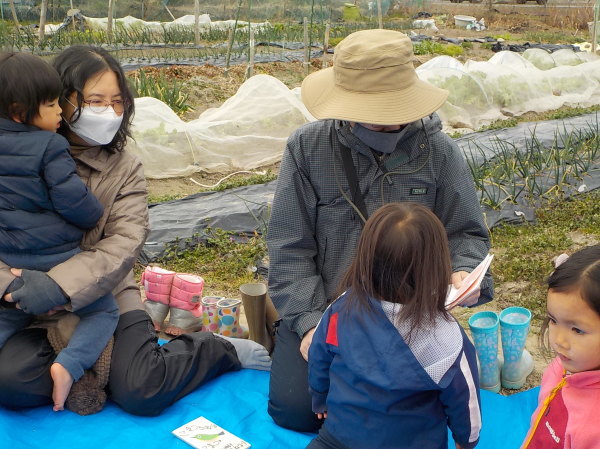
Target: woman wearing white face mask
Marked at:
97, 111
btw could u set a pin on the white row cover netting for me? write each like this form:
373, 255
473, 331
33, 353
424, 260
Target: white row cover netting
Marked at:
510, 84
187, 21
250, 129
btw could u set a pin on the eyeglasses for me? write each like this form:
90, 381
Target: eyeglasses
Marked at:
99, 106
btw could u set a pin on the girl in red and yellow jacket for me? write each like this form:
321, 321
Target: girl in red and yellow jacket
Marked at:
566, 416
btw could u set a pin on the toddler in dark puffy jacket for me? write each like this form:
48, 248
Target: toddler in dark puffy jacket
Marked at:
44, 210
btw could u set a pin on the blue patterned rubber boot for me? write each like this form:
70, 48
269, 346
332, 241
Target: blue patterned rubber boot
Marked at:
484, 329
518, 363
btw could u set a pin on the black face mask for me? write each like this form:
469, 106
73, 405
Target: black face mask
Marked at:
384, 142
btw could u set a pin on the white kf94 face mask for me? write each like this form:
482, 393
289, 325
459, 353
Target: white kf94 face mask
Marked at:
96, 128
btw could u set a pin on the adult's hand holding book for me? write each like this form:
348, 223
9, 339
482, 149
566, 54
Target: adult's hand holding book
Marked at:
469, 284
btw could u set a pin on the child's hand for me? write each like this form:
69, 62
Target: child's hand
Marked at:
62, 385
322, 415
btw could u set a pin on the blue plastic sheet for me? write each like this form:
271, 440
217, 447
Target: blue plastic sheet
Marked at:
235, 401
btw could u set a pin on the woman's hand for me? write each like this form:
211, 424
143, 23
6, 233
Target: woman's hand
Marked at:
322, 415
457, 279
38, 293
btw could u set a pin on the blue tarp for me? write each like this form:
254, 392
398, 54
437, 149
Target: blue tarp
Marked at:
236, 402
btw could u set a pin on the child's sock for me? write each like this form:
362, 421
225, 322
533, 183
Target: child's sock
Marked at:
251, 354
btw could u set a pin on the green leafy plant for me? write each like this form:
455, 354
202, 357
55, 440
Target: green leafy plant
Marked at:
169, 91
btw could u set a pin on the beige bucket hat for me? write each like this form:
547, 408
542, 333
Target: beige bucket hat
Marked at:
373, 80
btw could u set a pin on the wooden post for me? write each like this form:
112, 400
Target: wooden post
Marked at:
326, 44
197, 22
14, 13
43, 12
229, 45
73, 16
379, 14
306, 48
109, 24
250, 70
595, 27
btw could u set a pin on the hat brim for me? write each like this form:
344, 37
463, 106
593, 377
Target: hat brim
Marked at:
325, 100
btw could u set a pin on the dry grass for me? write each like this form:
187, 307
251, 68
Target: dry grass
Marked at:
575, 18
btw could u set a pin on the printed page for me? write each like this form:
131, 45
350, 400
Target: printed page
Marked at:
470, 284
204, 434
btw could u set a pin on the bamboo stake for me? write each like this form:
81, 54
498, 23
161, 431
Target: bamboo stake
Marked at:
249, 25
169, 11
73, 16
379, 14
109, 24
197, 22
250, 70
306, 48
595, 27
43, 12
229, 45
232, 35
14, 13
326, 44
312, 13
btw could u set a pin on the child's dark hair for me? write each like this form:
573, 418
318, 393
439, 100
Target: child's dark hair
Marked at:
402, 257
76, 65
580, 273
27, 82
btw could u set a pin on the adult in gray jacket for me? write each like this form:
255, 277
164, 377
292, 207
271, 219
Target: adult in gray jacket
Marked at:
379, 141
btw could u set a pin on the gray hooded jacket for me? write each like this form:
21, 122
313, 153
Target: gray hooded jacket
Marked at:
314, 230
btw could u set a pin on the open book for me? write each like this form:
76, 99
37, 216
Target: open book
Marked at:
204, 434
470, 284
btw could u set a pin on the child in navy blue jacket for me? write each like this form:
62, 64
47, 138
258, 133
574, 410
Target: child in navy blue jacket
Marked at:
44, 210
389, 367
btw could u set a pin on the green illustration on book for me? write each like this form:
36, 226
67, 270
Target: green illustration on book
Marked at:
205, 437
204, 434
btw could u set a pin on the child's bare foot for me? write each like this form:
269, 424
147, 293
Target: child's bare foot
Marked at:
62, 385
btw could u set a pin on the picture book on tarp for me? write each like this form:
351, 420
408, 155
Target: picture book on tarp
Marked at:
204, 434
471, 283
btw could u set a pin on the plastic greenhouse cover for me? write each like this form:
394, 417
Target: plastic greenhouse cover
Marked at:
245, 210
